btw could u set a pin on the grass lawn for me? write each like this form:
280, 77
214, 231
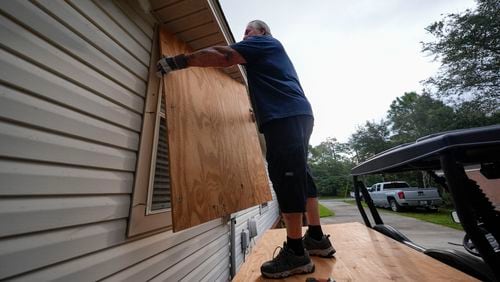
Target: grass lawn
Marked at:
329, 197
442, 217
325, 212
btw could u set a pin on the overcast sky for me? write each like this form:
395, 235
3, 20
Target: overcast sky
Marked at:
353, 57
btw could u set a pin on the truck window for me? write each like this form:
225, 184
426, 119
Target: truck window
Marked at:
396, 185
378, 187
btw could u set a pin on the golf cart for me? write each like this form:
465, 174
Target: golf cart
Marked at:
451, 153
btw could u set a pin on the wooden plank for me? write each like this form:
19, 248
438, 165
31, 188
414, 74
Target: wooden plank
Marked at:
31, 179
60, 36
55, 89
40, 213
207, 41
24, 253
20, 142
27, 109
362, 255
216, 164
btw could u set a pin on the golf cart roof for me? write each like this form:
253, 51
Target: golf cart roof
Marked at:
476, 145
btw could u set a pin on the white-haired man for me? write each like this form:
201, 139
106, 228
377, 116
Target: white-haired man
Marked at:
285, 117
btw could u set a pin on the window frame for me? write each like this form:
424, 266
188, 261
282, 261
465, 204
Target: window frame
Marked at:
140, 221
159, 116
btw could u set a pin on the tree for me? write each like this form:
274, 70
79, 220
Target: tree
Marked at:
370, 139
468, 45
329, 149
413, 116
467, 116
330, 165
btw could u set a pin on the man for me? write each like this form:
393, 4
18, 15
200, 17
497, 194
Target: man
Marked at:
285, 117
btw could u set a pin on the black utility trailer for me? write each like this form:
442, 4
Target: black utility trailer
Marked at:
450, 153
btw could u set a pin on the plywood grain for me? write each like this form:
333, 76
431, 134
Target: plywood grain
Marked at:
362, 255
216, 161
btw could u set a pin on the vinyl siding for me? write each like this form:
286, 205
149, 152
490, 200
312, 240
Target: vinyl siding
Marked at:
264, 222
72, 90
138, 259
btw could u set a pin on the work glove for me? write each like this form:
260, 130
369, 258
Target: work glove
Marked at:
168, 64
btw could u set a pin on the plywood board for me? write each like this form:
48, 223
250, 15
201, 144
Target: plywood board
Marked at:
217, 166
362, 255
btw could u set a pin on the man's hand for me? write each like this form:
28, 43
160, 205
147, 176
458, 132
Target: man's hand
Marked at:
168, 64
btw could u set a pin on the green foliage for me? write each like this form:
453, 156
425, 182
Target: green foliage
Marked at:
468, 46
332, 177
331, 166
324, 211
329, 149
467, 115
410, 117
447, 200
370, 139
413, 116
465, 93
441, 217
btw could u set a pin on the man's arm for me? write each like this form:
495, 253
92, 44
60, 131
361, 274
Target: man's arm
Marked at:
217, 56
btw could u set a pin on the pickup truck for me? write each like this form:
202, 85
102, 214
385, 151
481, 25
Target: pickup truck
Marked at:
398, 195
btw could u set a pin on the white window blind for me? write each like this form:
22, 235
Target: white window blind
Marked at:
159, 190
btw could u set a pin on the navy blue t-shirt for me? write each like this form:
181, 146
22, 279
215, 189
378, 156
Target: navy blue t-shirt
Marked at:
275, 90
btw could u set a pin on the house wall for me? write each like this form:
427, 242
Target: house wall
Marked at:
265, 219
72, 89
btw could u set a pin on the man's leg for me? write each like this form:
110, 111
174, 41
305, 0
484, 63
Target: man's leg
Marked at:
312, 211
317, 243
284, 154
293, 222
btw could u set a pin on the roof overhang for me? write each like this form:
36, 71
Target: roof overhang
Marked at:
199, 23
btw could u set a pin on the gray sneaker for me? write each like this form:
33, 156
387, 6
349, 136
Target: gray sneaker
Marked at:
286, 263
322, 248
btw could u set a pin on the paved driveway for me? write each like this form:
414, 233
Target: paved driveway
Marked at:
428, 235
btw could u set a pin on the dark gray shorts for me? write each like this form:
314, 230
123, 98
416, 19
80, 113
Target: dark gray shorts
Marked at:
287, 142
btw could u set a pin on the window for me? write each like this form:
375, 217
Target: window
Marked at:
219, 168
396, 185
159, 181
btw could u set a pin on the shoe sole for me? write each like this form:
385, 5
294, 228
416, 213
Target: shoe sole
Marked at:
324, 253
308, 268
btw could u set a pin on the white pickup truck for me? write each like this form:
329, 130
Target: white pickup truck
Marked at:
399, 195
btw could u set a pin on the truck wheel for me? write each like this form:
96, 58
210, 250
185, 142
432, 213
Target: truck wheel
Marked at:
394, 205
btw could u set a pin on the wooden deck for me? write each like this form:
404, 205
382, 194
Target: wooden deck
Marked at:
362, 255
